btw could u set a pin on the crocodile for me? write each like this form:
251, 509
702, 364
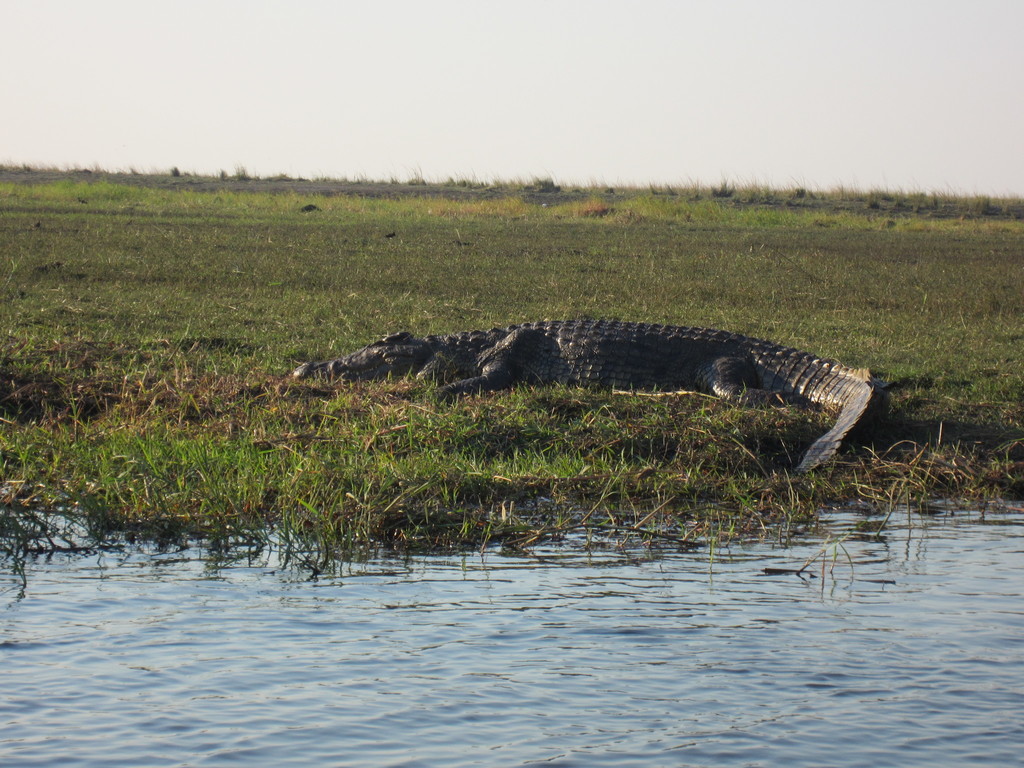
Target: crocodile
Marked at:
626, 356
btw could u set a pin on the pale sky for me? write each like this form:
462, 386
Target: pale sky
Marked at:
901, 94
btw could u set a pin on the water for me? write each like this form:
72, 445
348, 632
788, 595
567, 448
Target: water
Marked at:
911, 654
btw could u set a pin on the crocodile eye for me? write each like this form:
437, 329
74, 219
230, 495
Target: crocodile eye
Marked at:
395, 338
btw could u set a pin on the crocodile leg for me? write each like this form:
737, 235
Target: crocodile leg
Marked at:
728, 377
524, 355
735, 378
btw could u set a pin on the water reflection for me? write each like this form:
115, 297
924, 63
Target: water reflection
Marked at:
904, 648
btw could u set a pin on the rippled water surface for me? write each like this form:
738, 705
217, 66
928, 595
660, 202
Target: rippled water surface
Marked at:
909, 651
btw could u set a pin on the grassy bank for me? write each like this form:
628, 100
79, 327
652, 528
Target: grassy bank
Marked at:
147, 333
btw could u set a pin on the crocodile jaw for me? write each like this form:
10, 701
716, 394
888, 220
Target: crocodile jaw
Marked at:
376, 361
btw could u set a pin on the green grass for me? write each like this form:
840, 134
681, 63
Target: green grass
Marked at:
147, 334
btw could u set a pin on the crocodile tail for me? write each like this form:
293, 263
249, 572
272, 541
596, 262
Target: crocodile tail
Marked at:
867, 395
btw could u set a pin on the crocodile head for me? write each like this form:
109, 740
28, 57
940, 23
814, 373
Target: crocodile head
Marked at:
395, 355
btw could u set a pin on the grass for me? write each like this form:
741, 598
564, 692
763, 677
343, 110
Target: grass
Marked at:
147, 334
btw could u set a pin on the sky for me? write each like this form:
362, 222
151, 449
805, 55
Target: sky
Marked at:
894, 94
